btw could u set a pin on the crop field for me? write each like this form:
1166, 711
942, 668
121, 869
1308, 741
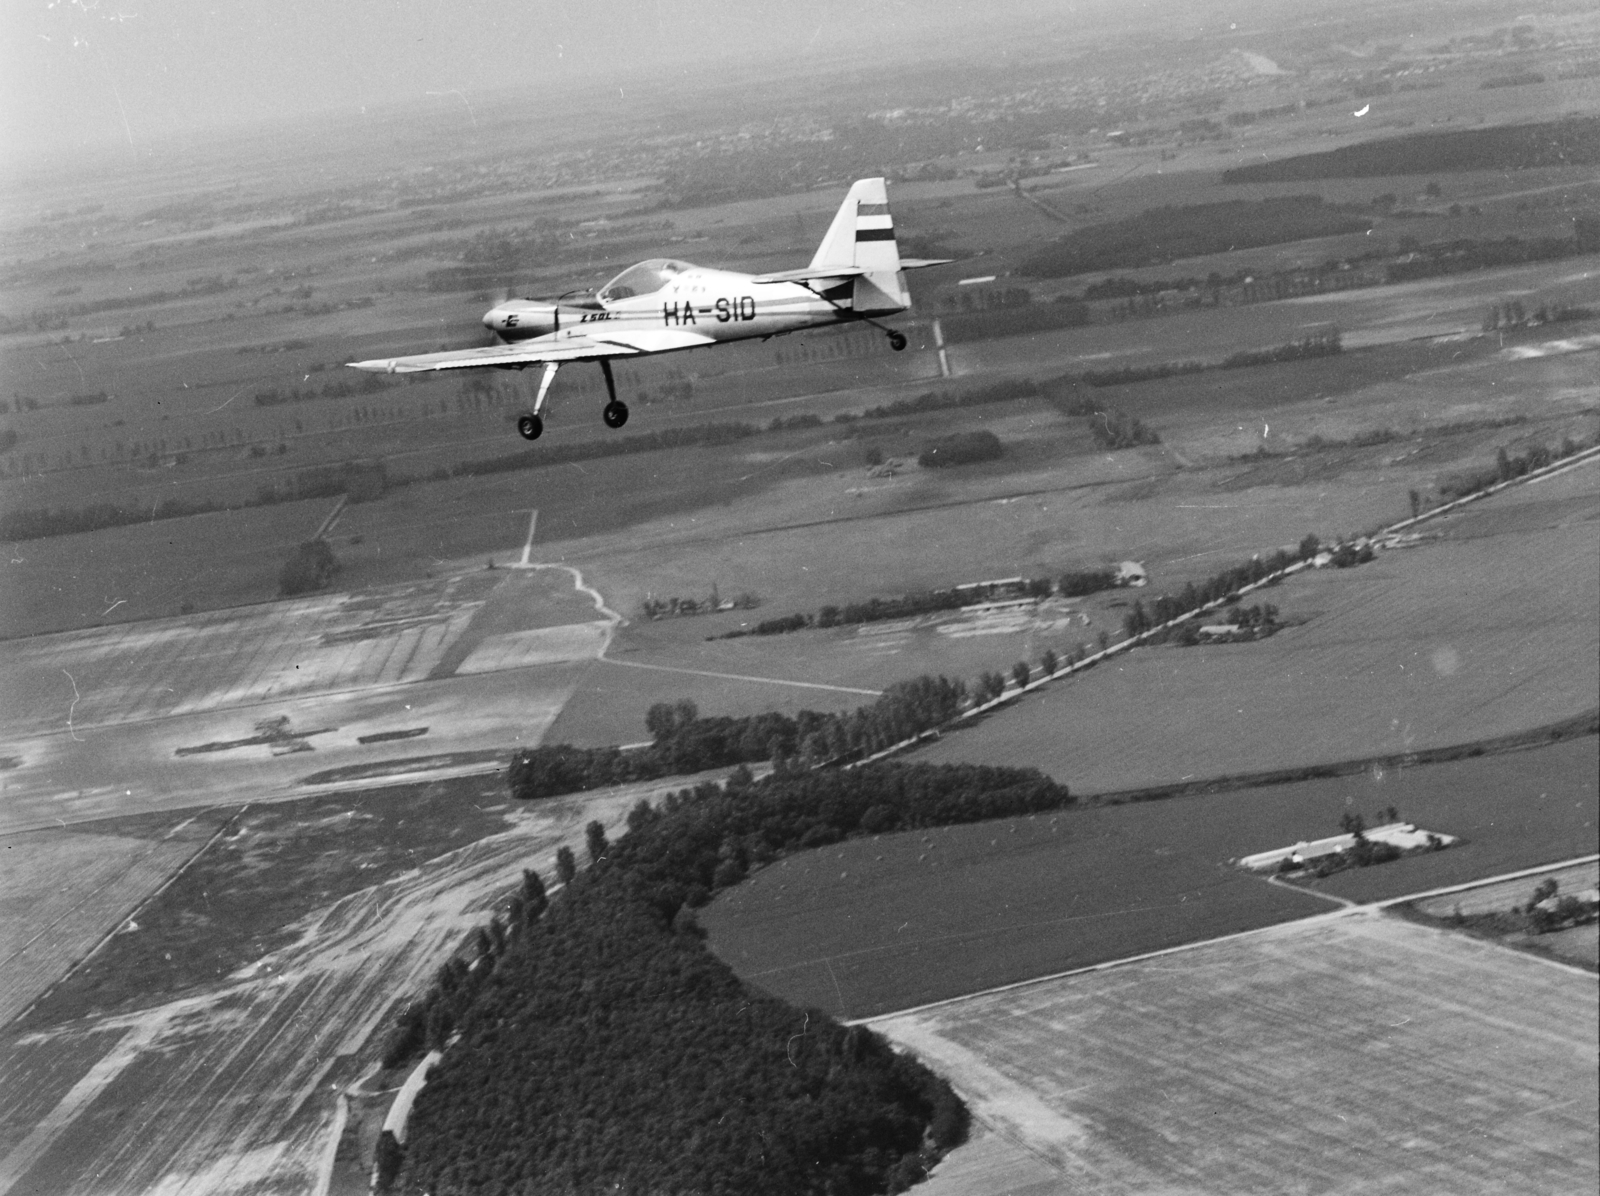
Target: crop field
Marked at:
231, 1078
151, 570
1337, 1054
62, 891
1438, 645
894, 921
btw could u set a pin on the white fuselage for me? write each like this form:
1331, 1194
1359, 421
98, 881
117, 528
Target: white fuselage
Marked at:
719, 304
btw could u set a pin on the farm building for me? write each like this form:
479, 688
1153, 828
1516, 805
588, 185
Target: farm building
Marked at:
1403, 835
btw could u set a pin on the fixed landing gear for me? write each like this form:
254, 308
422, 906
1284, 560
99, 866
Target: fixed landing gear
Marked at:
530, 424
897, 341
615, 413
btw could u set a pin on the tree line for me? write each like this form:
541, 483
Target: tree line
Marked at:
1511, 465
603, 1046
1461, 256
1219, 586
1072, 584
683, 742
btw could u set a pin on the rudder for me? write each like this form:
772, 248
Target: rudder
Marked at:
862, 233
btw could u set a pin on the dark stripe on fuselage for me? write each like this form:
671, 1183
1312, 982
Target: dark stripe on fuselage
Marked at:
874, 234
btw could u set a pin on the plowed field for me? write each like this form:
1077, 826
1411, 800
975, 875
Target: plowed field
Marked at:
1338, 1055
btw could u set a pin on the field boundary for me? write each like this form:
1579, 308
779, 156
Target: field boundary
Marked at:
1367, 909
135, 911
1581, 457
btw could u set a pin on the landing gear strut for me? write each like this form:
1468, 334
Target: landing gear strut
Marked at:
615, 413
530, 424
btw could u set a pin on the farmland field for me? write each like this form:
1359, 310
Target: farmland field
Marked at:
1442, 644
62, 891
892, 921
1341, 1054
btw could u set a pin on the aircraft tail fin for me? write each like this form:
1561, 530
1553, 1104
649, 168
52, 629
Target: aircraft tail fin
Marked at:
862, 233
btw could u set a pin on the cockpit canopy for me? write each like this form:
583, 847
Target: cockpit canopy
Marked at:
644, 279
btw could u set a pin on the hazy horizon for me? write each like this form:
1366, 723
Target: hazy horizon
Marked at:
83, 77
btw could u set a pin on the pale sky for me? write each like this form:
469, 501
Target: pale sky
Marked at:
75, 74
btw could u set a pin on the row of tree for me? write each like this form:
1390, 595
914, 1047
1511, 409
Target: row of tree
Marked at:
1220, 586
1509, 465
1073, 584
686, 743
1318, 344
1464, 255
1512, 314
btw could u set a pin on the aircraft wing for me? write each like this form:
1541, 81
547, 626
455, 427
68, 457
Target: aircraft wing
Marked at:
588, 347
651, 340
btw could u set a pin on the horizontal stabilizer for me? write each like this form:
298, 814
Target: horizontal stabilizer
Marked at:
809, 274
922, 263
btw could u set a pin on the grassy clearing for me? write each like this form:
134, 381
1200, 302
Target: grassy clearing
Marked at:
1368, 1049
898, 920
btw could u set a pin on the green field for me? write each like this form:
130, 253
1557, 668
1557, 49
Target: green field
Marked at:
894, 921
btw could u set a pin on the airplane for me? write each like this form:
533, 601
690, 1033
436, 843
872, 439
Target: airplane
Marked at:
666, 306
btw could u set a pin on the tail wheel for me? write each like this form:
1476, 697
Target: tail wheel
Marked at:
530, 426
897, 341
615, 414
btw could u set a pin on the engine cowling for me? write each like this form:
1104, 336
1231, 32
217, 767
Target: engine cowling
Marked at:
521, 319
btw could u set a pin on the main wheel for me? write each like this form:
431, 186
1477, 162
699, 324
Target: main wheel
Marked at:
529, 426
897, 341
615, 414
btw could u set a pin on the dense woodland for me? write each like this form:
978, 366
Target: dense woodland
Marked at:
602, 1047
1571, 142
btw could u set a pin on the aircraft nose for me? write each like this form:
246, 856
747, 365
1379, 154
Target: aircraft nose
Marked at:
493, 318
